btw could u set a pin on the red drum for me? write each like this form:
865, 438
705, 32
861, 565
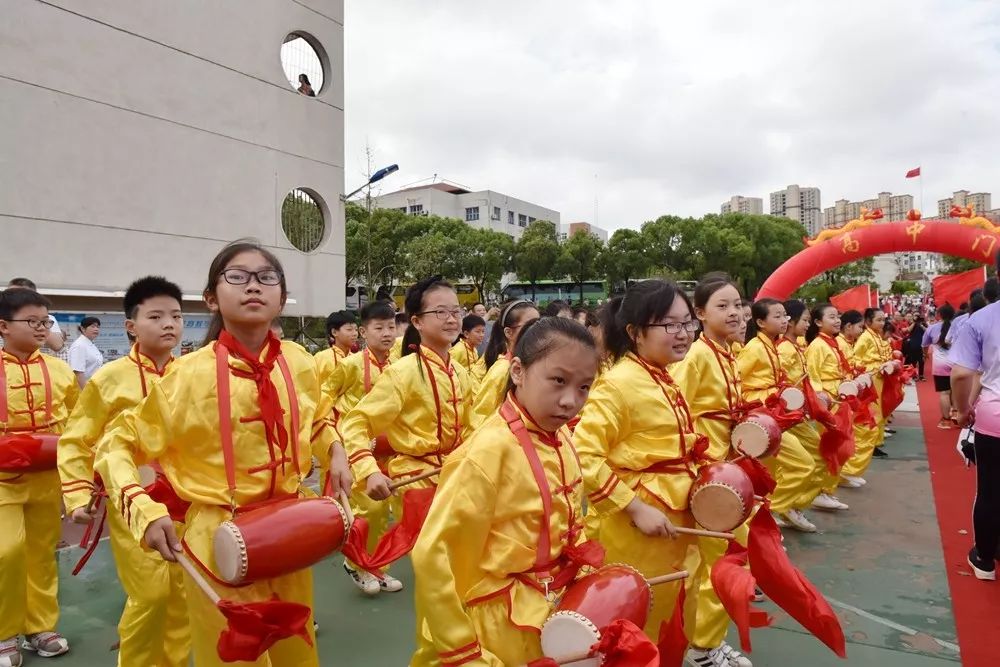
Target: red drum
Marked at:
758, 436
897, 355
721, 496
848, 388
279, 538
28, 452
864, 380
794, 398
889, 367
591, 603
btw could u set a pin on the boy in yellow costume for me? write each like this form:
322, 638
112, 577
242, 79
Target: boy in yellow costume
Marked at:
37, 393
342, 334
153, 629
233, 425
507, 515
464, 352
351, 381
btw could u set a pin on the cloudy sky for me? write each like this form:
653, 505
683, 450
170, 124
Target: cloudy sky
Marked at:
658, 107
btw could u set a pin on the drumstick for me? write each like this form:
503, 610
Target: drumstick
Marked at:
198, 577
416, 478
704, 533
666, 578
345, 504
95, 497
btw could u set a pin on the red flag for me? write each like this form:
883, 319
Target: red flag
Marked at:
856, 298
955, 288
913, 173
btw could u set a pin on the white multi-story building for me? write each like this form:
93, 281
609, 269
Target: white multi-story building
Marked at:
801, 204
741, 204
157, 135
483, 209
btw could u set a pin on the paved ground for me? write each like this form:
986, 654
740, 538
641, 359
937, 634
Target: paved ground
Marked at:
880, 564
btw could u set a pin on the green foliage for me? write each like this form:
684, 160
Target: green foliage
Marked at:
486, 256
536, 253
904, 286
828, 283
624, 257
578, 258
302, 221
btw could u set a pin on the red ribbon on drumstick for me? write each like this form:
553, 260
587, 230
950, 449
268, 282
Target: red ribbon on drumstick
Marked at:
836, 443
892, 389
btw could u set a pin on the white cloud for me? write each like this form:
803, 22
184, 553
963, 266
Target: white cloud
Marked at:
675, 106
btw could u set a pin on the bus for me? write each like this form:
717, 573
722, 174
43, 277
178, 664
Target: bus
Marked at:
468, 294
561, 290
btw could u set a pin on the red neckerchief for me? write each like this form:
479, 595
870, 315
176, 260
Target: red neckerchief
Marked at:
845, 365
771, 348
736, 408
369, 358
135, 356
34, 358
449, 370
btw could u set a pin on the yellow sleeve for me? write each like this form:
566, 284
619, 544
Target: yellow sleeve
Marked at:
371, 416
866, 353
490, 393
823, 368
144, 432
789, 359
602, 425
324, 430
76, 446
72, 394
755, 372
687, 376
450, 548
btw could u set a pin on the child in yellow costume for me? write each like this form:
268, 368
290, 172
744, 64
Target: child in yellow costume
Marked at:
828, 366
232, 425
153, 629
637, 442
873, 354
513, 316
350, 382
342, 334
709, 380
422, 404
792, 355
465, 353
761, 377
866, 438
507, 515
37, 393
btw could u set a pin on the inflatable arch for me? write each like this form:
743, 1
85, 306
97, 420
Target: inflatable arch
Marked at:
975, 239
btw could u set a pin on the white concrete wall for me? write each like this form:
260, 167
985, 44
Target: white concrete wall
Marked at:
140, 136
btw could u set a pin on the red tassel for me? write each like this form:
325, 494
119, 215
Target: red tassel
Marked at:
254, 627
672, 642
763, 483
836, 444
397, 541
624, 644
734, 584
775, 407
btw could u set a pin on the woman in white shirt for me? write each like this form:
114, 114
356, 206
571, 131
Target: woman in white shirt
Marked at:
84, 357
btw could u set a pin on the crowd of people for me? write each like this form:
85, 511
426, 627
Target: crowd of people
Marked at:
551, 441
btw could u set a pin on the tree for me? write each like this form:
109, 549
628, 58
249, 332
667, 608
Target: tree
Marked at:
578, 258
487, 255
904, 286
953, 264
624, 257
439, 250
828, 283
375, 244
536, 253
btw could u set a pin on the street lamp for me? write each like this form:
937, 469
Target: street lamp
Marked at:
374, 178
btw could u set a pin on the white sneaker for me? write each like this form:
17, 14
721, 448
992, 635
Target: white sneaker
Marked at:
733, 657
849, 482
799, 522
10, 655
366, 581
695, 657
825, 501
390, 584
780, 520
46, 644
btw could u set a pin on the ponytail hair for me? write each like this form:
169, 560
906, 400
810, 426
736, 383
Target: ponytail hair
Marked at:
817, 314
851, 317
794, 309
947, 313
414, 304
644, 302
497, 344
870, 314
540, 337
219, 265
760, 309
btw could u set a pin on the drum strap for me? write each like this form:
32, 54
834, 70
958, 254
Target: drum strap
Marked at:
448, 370
3, 390
845, 365
369, 357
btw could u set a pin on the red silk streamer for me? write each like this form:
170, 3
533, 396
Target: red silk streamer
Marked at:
892, 389
253, 627
622, 644
776, 407
787, 587
862, 406
734, 584
763, 483
672, 641
836, 444
397, 541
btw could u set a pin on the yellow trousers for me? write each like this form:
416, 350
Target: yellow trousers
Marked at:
793, 470
866, 438
378, 513
711, 619
206, 620
819, 479
153, 629
30, 525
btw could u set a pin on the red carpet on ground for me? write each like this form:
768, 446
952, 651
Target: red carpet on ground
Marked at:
976, 604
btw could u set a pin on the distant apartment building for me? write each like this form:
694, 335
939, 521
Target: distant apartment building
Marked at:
980, 201
894, 207
566, 231
483, 209
741, 204
801, 204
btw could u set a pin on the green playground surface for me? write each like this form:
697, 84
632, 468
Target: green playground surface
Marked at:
880, 564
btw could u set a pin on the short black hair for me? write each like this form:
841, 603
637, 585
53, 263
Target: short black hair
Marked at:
377, 310
338, 319
13, 300
23, 282
402, 318
147, 288
89, 320
470, 322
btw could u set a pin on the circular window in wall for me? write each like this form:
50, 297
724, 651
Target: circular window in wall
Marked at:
303, 60
302, 220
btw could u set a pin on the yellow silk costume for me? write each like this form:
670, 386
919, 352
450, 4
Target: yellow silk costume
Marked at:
481, 540
826, 372
327, 360
635, 440
469, 358
761, 375
491, 391
30, 502
153, 629
396, 351
793, 361
179, 425
870, 353
709, 380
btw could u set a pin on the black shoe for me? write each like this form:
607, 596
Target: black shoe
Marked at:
890, 431
879, 453
985, 570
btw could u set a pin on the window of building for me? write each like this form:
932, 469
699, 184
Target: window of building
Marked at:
416, 209
530, 220
522, 220
302, 219
510, 217
496, 213
304, 62
472, 213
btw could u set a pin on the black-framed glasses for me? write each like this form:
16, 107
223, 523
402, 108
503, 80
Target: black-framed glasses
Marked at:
444, 313
242, 276
36, 323
676, 327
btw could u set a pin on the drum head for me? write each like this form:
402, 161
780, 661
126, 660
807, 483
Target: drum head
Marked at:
717, 507
567, 633
230, 553
750, 439
794, 398
848, 388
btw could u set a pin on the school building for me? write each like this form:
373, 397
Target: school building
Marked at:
140, 137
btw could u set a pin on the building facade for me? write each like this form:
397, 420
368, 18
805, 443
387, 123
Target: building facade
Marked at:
566, 231
140, 140
741, 204
483, 209
894, 207
801, 204
980, 201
